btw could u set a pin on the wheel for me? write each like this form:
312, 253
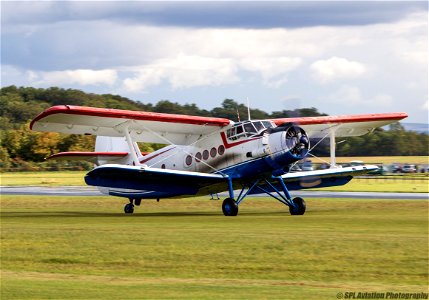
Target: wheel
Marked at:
129, 208
299, 208
229, 207
137, 202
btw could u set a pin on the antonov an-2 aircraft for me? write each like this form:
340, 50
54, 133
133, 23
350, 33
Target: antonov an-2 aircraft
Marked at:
206, 155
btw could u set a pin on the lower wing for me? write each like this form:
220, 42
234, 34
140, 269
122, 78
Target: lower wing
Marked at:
149, 183
154, 182
318, 179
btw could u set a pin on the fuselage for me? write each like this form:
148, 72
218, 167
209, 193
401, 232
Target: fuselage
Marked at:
246, 149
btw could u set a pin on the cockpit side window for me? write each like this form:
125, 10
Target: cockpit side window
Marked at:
248, 129
267, 124
258, 125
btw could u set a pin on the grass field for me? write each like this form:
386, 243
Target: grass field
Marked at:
74, 178
85, 248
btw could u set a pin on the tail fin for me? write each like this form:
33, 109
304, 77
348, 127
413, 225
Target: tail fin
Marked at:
107, 150
116, 144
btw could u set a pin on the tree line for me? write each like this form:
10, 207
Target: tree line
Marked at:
25, 149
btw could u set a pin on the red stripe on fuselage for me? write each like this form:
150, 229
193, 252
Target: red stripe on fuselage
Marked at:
230, 145
149, 158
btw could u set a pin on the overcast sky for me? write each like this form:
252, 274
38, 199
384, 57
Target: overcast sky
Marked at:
346, 57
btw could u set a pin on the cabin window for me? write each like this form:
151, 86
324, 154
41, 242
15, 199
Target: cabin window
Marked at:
213, 152
206, 154
188, 160
221, 149
198, 157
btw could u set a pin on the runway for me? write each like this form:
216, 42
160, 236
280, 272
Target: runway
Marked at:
93, 192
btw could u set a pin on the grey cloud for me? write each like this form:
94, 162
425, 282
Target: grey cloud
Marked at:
241, 14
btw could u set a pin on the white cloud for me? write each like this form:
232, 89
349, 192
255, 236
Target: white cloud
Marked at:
269, 68
81, 77
183, 71
336, 68
352, 96
387, 62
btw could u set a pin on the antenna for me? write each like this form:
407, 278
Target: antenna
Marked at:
248, 109
238, 115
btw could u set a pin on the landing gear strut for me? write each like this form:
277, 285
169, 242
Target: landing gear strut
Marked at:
296, 206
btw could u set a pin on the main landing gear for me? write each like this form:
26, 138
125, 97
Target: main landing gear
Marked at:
129, 207
296, 206
229, 207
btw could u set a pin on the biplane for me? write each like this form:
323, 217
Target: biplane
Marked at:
206, 155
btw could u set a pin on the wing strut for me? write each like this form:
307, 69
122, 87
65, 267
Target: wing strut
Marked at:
332, 146
131, 146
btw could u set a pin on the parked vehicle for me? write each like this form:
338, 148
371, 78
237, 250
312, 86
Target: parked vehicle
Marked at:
409, 169
353, 163
396, 168
324, 166
307, 166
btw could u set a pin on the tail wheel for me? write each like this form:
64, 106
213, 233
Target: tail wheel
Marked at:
129, 208
298, 208
229, 207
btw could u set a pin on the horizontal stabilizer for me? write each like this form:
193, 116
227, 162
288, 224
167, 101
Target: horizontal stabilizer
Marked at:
94, 157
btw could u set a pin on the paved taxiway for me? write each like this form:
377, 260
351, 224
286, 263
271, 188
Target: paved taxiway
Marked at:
91, 191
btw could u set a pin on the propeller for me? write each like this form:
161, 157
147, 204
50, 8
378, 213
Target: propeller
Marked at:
297, 141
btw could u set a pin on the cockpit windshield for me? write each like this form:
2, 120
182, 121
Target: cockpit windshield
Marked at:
247, 129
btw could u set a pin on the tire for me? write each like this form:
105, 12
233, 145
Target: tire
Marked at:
299, 208
129, 208
229, 207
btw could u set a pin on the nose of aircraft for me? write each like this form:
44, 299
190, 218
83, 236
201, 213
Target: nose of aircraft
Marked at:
287, 145
297, 141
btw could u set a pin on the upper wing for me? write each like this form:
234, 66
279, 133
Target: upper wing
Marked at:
352, 125
143, 126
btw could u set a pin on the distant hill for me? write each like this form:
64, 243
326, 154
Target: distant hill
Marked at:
19, 105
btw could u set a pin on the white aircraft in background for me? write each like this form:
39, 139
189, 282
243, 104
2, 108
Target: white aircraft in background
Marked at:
206, 155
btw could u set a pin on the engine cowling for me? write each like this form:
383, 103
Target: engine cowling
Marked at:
286, 144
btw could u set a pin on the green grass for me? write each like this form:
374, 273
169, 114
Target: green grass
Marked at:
74, 178
86, 248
